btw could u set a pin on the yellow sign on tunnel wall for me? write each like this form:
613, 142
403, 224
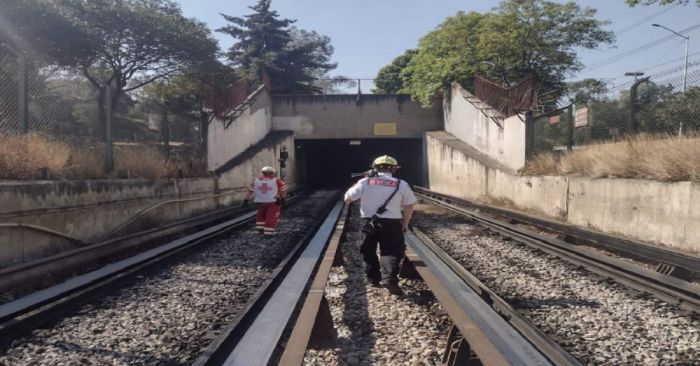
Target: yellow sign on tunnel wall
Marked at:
385, 129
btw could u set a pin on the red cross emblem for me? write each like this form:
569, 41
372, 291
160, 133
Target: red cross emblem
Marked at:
264, 188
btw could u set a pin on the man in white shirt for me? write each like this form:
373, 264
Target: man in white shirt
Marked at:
383, 227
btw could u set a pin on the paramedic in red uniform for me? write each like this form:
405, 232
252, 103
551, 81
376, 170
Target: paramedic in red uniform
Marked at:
270, 193
389, 226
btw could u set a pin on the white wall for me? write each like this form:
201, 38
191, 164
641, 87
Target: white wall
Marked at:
472, 121
650, 211
224, 143
244, 173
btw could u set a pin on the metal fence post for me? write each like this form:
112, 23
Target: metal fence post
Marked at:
165, 131
23, 97
632, 123
529, 134
109, 153
570, 132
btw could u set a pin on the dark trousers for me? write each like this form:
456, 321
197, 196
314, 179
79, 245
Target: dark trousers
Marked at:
391, 248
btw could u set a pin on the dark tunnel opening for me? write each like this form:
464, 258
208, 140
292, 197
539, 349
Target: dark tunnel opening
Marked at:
329, 163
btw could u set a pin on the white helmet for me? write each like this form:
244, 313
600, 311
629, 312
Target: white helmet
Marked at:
268, 170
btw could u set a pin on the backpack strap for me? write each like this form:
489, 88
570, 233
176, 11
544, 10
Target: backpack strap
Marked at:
382, 208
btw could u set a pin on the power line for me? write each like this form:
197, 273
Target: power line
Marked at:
654, 66
641, 48
623, 30
661, 74
668, 62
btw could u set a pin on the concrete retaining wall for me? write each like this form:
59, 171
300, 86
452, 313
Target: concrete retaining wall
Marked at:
347, 117
90, 210
267, 152
656, 212
477, 124
229, 138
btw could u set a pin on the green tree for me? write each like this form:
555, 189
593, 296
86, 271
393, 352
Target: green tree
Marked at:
304, 59
680, 108
390, 79
444, 55
183, 97
514, 40
660, 2
291, 57
41, 30
141, 41
585, 90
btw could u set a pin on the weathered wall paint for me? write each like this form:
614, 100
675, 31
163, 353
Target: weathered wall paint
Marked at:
227, 139
347, 117
651, 211
477, 124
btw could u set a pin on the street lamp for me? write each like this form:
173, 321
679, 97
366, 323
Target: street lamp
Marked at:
687, 39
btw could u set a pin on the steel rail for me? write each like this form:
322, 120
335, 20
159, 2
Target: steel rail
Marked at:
631, 248
254, 337
23, 314
549, 348
67, 263
664, 287
493, 339
314, 324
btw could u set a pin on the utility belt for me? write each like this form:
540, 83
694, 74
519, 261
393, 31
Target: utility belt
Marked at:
375, 224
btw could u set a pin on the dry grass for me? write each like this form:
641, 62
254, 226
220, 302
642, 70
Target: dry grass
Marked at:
23, 158
541, 164
141, 162
86, 162
641, 157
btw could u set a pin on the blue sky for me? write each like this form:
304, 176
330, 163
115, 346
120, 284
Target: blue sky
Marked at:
368, 34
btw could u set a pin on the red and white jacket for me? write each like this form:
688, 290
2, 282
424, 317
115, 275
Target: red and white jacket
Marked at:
267, 189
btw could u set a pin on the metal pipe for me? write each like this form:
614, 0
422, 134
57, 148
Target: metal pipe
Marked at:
40, 229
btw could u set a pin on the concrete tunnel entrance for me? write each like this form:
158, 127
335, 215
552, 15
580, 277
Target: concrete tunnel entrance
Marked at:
330, 162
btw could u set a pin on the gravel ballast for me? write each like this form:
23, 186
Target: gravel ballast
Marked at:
169, 315
598, 321
374, 327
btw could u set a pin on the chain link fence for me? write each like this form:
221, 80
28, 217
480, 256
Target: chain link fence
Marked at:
345, 85
30, 101
48, 128
663, 104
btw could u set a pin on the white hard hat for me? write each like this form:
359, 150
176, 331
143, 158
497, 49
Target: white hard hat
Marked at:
268, 170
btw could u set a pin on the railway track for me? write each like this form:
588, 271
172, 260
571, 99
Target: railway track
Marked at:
667, 261
663, 286
291, 302
593, 314
442, 318
165, 306
507, 303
